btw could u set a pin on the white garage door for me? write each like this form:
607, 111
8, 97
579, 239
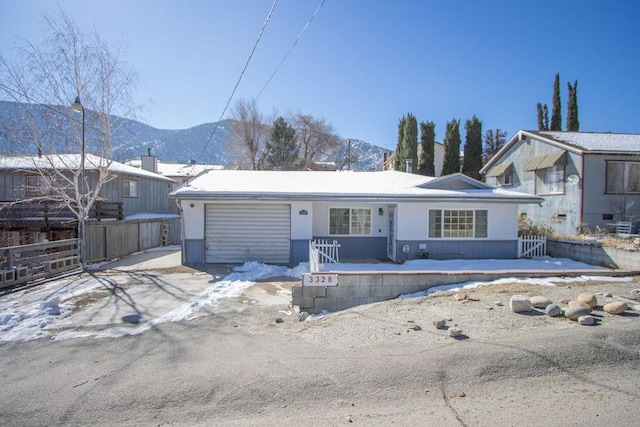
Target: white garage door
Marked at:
239, 233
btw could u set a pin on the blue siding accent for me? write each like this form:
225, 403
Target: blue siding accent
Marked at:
299, 251
193, 251
359, 247
461, 249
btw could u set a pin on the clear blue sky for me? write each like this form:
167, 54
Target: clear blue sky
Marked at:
362, 64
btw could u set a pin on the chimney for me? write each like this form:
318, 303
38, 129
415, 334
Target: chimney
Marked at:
385, 155
149, 162
409, 165
192, 162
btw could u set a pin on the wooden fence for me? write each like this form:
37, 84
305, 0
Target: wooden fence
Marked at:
21, 264
532, 246
322, 252
107, 240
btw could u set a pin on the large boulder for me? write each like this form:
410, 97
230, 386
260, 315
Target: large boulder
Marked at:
520, 304
540, 301
588, 298
616, 307
574, 313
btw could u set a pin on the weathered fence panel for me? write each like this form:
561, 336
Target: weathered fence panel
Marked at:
532, 246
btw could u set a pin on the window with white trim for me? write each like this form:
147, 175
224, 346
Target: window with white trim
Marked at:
129, 188
504, 180
345, 221
550, 180
623, 177
455, 224
35, 185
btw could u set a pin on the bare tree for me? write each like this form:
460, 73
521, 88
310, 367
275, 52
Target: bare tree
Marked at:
45, 80
316, 137
247, 134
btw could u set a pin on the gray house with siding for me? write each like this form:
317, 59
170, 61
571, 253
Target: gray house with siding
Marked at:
232, 216
587, 180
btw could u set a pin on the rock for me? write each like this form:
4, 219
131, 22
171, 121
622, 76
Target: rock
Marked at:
588, 298
616, 307
553, 310
460, 296
279, 320
587, 320
411, 326
439, 324
302, 316
296, 309
455, 332
499, 303
564, 301
520, 304
607, 295
575, 304
540, 301
574, 313
462, 394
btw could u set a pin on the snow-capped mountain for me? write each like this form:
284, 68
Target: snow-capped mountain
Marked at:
131, 138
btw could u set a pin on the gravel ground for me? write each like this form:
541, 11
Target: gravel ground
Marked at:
379, 364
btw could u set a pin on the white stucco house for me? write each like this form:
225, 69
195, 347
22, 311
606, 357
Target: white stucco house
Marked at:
233, 216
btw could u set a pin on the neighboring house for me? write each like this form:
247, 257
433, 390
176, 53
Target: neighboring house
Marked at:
587, 180
389, 159
180, 173
270, 216
25, 208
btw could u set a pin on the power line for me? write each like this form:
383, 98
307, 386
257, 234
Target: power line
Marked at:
289, 51
264, 25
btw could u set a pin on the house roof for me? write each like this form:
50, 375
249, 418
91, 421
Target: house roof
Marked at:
361, 186
178, 170
71, 161
576, 142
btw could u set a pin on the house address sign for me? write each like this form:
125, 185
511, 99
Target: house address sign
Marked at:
319, 279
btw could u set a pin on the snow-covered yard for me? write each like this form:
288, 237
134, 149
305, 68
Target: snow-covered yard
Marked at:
70, 307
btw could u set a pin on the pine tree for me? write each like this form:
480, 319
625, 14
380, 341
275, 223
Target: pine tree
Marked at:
451, 163
400, 151
545, 117
556, 112
494, 140
281, 152
573, 125
426, 164
472, 160
410, 140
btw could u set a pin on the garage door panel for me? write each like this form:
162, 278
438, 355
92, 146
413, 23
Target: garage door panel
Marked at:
237, 233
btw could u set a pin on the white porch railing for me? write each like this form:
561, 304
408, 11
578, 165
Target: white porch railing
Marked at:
322, 252
532, 246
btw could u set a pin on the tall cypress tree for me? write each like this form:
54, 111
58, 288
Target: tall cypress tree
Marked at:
556, 111
410, 139
451, 162
545, 117
573, 125
400, 151
427, 163
472, 160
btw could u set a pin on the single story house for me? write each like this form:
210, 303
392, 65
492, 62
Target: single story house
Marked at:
234, 216
587, 179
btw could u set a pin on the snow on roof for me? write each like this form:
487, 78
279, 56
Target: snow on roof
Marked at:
312, 184
593, 141
170, 169
71, 161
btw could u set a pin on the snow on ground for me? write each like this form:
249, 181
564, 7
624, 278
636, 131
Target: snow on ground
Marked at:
44, 311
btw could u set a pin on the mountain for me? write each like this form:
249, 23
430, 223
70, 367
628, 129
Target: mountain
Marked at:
131, 139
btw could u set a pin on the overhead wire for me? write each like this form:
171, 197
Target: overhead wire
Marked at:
264, 25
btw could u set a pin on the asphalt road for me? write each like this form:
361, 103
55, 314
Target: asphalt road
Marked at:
239, 367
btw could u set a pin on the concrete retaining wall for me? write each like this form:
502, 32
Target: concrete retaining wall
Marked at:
357, 288
592, 252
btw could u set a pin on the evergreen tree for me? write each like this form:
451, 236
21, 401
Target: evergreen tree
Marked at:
472, 160
494, 140
556, 112
400, 151
573, 125
281, 152
451, 163
545, 117
426, 164
410, 141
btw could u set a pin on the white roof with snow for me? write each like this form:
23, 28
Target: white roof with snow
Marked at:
593, 141
313, 185
71, 161
178, 169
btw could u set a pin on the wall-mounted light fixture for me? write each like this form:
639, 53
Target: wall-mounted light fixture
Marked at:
380, 211
303, 212
192, 205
